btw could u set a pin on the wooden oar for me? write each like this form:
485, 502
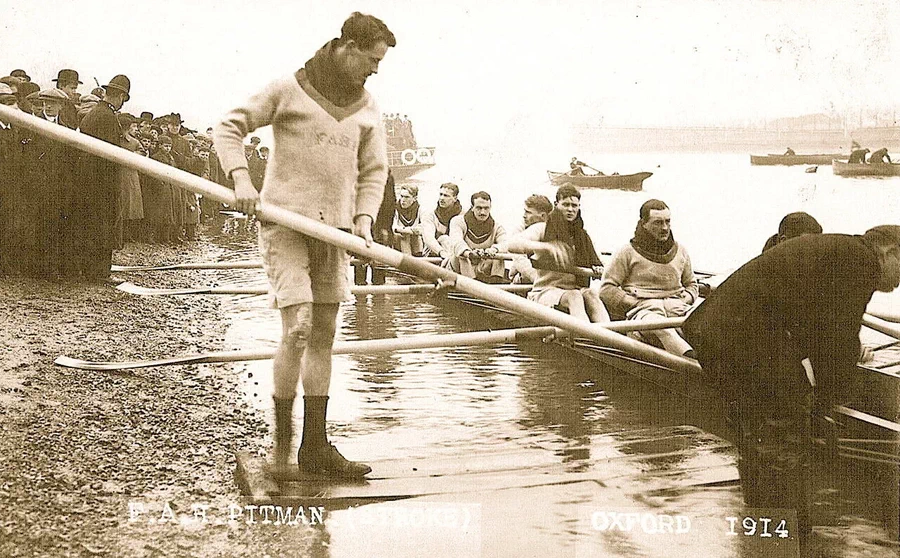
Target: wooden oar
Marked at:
198, 265
351, 243
374, 345
340, 348
247, 264
131, 288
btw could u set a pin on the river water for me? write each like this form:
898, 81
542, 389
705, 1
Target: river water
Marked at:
540, 404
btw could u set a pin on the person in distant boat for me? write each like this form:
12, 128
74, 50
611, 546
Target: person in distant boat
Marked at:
793, 225
879, 155
576, 166
858, 156
475, 239
562, 243
780, 340
651, 277
789, 151
407, 224
436, 224
329, 164
537, 209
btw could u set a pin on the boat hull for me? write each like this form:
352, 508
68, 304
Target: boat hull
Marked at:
841, 168
632, 182
815, 159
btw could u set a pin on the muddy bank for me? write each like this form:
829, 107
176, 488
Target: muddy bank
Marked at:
81, 450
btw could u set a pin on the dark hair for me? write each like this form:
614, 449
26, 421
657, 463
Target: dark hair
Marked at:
799, 223
567, 190
452, 187
365, 31
651, 205
481, 195
539, 203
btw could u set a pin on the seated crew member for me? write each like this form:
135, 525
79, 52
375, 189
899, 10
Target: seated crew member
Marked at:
563, 241
473, 235
537, 208
789, 151
879, 156
793, 224
436, 224
858, 156
651, 277
407, 224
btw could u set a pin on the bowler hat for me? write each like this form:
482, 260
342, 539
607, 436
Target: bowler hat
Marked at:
20, 74
67, 75
146, 115
122, 83
174, 118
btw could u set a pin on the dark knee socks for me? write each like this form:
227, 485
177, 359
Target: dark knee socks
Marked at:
314, 408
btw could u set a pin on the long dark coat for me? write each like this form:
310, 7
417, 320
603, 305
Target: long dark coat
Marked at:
92, 204
805, 297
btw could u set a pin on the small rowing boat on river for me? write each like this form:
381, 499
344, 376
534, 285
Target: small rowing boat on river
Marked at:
632, 182
811, 159
842, 168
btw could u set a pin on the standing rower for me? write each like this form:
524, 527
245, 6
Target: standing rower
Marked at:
330, 164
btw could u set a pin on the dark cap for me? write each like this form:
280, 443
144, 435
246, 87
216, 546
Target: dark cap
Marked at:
255, 139
798, 223
121, 83
67, 75
20, 74
146, 115
174, 118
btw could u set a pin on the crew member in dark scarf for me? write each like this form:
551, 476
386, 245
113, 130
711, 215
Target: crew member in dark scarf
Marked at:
651, 277
474, 235
436, 224
407, 224
559, 244
574, 240
444, 214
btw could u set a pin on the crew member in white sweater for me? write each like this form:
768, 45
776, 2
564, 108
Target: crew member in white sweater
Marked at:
329, 162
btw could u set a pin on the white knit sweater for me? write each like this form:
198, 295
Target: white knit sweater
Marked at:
328, 163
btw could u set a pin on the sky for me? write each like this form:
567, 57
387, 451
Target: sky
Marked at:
478, 71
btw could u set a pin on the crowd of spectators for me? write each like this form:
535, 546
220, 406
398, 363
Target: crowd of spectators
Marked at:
63, 212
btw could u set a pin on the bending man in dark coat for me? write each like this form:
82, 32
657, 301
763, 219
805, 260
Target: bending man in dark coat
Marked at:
89, 223
781, 336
